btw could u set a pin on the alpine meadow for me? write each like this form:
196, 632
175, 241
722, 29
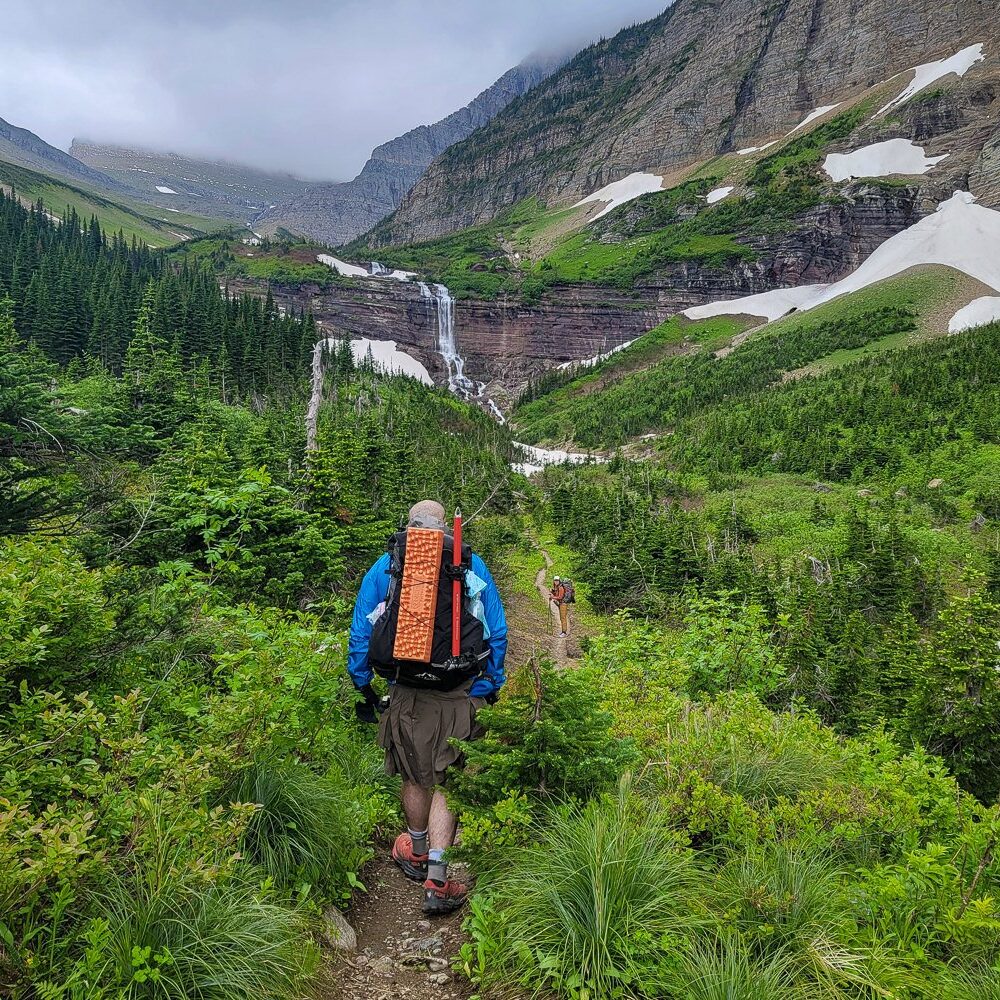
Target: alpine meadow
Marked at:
560, 563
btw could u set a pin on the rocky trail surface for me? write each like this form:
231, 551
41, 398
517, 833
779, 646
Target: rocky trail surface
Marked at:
396, 953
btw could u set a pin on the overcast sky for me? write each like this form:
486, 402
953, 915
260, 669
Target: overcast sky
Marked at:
305, 85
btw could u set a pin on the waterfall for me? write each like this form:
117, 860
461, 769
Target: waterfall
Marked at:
443, 305
379, 270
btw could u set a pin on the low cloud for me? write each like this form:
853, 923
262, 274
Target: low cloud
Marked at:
305, 85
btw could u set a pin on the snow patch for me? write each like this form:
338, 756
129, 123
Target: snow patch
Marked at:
812, 116
881, 159
388, 358
597, 358
619, 192
756, 149
356, 271
165, 190
718, 194
772, 305
928, 73
978, 312
960, 234
541, 457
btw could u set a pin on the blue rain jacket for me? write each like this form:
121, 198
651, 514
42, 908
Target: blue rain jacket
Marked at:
375, 589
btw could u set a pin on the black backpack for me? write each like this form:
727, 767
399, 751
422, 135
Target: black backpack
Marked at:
443, 673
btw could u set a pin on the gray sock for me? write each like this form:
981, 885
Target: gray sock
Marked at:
419, 838
437, 867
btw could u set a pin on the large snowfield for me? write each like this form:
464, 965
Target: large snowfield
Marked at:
881, 159
619, 192
541, 457
960, 234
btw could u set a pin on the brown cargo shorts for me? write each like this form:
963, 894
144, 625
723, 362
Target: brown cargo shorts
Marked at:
417, 729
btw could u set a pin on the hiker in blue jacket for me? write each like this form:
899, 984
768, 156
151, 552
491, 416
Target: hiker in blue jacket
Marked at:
420, 724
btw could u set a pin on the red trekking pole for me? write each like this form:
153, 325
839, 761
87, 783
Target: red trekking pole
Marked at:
456, 588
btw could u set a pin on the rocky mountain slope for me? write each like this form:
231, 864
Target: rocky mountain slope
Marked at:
208, 187
705, 79
25, 149
337, 213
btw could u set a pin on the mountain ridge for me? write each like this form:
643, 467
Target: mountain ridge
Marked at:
698, 81
338, 213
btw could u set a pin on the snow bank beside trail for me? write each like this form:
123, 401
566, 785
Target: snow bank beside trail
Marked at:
597, 358
960, 234
881, 159
756, 149
928, 73
541, 457
978, 312
812, 116
386, 357
619, 192
718, 194
771, 305
165, 190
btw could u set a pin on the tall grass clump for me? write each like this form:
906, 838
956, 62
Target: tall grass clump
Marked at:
307, 829
587, 908
723, 969
177, 937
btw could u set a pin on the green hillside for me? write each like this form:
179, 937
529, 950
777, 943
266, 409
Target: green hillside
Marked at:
153, 226
620, 400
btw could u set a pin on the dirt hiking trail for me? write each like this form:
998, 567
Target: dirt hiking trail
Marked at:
400, 953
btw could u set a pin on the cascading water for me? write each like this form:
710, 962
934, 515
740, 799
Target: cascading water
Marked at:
443, 305
379, 270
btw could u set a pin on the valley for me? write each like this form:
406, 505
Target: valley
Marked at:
702, 320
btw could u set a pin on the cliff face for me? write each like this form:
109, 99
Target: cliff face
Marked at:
704, 78
337, 213
504, 341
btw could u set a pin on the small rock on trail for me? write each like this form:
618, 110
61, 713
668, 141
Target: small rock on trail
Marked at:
401, 954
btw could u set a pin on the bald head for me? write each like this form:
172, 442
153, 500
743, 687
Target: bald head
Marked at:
427, 514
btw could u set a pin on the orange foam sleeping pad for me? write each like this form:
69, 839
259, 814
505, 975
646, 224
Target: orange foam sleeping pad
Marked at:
418, 595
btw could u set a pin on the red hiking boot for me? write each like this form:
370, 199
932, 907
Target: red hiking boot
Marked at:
444, 897
413, 865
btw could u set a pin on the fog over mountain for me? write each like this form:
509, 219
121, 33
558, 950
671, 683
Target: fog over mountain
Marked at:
308, 86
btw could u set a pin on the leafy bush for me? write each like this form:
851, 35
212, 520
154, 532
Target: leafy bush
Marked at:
53, 614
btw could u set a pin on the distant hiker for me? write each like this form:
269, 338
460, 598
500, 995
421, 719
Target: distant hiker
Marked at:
444, 660
562, 595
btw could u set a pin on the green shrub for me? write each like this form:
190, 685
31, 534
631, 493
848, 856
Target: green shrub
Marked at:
52, 615
550, 737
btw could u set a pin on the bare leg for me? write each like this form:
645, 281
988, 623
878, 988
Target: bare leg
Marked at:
441, 824
416, 805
